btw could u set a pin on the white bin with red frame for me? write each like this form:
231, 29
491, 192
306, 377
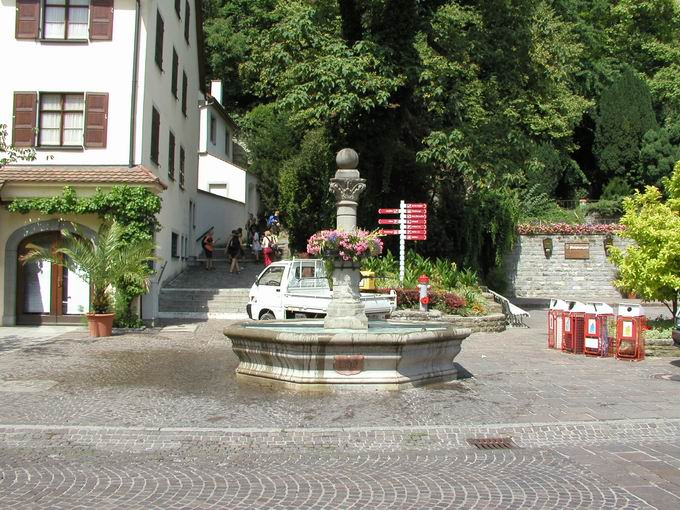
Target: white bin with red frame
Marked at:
596, 331
630, 332
573, 320
555, 322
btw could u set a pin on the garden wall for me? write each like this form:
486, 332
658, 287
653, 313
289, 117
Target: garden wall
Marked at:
533, 275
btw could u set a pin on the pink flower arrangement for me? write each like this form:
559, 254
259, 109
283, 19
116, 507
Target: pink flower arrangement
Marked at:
567, 229
353, 245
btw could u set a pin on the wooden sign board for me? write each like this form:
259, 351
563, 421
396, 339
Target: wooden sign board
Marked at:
577, 251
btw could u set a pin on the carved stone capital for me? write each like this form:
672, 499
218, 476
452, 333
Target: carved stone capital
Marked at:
347, 189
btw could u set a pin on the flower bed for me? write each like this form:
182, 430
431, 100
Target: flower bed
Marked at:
566, 229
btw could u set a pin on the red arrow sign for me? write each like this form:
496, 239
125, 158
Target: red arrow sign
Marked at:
416, 206
416, 233
389, 221
389, 211
416, 238
416, 215
416, 222
388, 232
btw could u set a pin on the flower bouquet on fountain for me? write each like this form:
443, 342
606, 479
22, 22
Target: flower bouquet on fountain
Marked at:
340, 248
342, 252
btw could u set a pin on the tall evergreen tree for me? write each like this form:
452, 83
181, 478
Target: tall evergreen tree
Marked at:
625, 114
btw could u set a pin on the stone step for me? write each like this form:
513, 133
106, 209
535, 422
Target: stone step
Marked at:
215, 301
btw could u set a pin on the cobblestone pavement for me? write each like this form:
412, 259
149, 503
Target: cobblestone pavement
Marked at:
158, 420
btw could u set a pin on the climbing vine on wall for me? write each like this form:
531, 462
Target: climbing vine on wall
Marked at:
133, 206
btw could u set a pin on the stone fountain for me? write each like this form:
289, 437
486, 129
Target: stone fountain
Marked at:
346, 350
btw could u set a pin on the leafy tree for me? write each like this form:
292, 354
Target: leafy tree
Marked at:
307, 211
625, 114
465, 105
651, 266
270, 141
9, 153
657, 156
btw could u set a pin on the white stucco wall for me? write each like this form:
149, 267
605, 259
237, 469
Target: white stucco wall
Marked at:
95, 66
107, 66
155, 91
216, 171
222, 213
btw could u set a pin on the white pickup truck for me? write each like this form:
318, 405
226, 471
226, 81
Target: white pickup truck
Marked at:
299, 288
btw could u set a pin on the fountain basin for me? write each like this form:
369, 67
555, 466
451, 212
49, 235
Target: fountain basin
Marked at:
389, 354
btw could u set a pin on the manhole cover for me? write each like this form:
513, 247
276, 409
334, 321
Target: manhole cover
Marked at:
667, 377
491, 443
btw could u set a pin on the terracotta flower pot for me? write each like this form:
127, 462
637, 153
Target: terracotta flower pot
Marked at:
100, 324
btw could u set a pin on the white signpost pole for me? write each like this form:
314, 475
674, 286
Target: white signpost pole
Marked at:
402, 241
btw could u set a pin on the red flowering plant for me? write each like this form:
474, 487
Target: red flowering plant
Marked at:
338, 244
567, 229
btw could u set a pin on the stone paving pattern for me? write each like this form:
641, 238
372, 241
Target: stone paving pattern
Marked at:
158, 420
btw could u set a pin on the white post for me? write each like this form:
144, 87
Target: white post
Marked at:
402, 241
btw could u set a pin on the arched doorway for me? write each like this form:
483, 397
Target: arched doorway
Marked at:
48, 293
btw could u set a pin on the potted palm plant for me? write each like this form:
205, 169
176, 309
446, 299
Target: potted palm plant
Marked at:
103, 262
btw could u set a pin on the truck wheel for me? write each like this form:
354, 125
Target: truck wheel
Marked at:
267, 316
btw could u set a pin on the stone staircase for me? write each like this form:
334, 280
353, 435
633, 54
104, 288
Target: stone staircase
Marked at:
197, 293
183, 303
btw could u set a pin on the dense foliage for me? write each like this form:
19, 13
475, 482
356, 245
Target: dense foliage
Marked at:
651, 267
489, 111
452, 290
134, 207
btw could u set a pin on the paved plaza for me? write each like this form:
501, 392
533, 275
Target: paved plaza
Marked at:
159, 420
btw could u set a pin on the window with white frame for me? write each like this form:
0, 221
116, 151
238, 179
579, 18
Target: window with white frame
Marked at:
61, 119
66, 19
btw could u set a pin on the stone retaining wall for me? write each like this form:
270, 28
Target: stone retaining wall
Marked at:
492, 323
532, 275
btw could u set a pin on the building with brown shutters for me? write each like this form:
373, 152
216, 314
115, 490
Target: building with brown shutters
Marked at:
107, 92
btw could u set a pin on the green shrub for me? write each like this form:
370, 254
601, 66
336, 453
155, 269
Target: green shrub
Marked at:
452, 290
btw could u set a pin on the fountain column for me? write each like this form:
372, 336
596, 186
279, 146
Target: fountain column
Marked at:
346, 310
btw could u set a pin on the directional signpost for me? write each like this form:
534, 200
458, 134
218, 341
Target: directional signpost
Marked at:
412, 223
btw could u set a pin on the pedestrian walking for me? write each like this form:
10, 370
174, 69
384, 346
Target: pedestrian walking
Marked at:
267, 248
256, 244
242, 253
252, 222
234, 249
208, 244
273, 223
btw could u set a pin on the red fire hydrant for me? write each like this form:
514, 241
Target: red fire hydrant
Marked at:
423, 285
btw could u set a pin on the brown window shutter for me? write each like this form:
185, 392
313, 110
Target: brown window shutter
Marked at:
101, 20
96, 119
23, 127
28, 19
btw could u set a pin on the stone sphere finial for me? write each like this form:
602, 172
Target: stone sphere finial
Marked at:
347, 159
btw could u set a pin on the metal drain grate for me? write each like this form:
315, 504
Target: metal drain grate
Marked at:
491, 443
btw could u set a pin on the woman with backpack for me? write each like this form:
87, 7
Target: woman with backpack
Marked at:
267, 249
234, 250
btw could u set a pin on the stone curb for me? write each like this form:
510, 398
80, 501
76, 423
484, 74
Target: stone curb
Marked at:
492, 323
356, 438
